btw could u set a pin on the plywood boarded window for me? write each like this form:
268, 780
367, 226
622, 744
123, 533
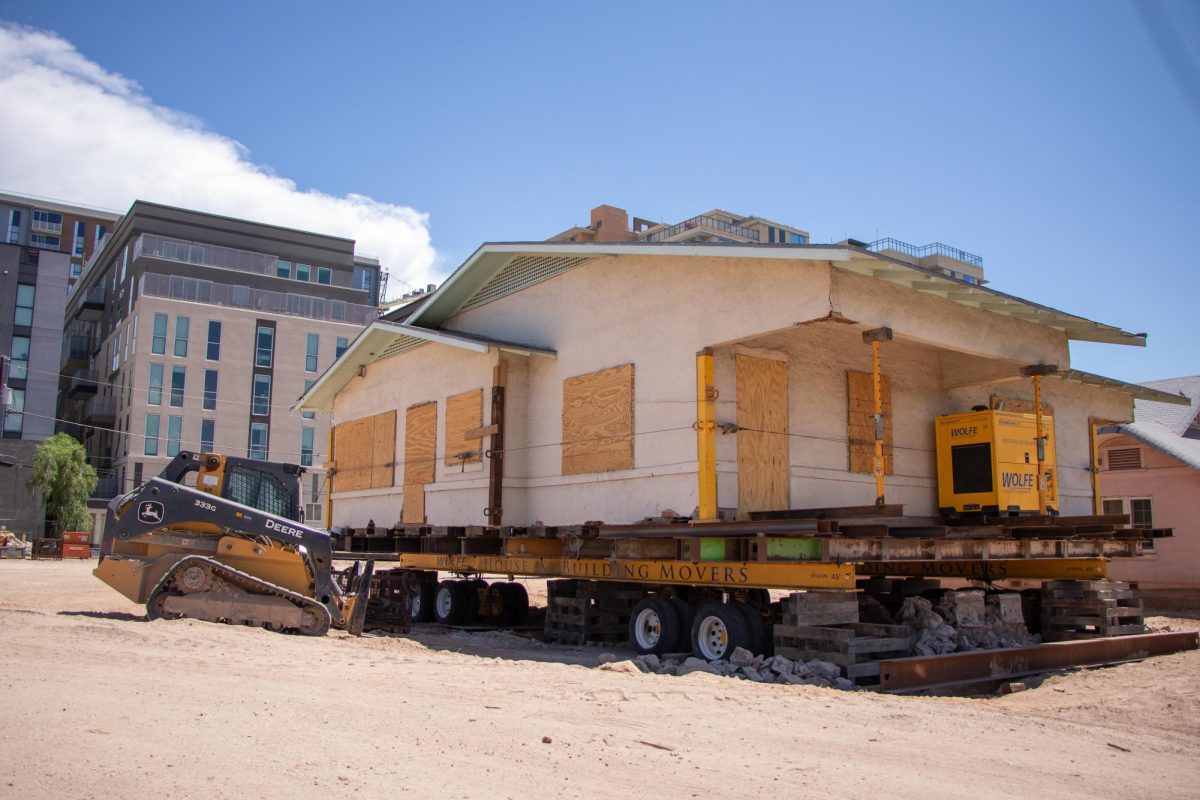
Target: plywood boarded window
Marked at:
860, 392
420, 456
597, 421
762, 440
365, 453
464, 413
1020, 406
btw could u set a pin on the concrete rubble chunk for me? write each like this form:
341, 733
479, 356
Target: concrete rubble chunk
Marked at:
843, 683
649, 662
621, 666
781, 665
749, 673
742, 657
695, 665
824, 669
607, 658
766, 674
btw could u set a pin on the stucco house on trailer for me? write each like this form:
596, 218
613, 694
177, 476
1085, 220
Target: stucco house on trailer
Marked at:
595, 347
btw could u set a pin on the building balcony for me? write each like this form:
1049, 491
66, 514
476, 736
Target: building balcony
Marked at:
90, 306
106, 489
76, 350
699, 225
198, 290
83, 382
100, 411
39, 226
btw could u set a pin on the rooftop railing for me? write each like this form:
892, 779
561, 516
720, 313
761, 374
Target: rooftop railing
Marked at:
207, 255
198, 290
702, 221
936, 248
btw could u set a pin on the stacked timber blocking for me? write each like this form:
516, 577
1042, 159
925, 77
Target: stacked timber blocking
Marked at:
578, 612
1089, 610
825, 625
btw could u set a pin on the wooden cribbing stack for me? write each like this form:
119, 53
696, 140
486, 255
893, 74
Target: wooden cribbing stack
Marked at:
578, 612
824, 625
1090, 609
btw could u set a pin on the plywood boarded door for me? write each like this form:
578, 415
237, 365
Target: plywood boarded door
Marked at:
860, 427
762, 442
420, 452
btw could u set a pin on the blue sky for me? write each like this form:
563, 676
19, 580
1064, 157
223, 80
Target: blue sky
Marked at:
1047, 137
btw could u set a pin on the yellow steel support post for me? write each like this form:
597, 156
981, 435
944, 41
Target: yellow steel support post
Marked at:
706, 434
1094, 446
874, 337
1036, 372
329, 484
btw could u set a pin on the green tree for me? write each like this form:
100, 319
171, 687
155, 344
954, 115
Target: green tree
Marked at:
62, 474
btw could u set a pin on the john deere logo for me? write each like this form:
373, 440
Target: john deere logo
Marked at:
150, 511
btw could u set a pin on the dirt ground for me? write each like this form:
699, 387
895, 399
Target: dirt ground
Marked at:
98, 703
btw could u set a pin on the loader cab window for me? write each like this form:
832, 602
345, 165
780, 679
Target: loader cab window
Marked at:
259, 490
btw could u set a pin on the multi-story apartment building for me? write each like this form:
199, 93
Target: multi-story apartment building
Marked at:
191, 331
612, 224
33, 288
75, 230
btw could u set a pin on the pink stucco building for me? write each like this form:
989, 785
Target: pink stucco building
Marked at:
1150, 469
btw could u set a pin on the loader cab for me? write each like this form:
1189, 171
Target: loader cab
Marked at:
269, 486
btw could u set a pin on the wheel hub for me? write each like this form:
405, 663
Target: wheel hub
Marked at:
713, 639
648, 628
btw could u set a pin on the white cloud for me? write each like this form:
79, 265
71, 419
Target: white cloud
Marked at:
72, 130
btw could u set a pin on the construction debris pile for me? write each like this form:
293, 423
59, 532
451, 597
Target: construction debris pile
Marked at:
11, 545
747, 666
965, 620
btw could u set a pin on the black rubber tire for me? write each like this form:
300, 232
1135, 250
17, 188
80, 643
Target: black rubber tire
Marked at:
450, 603
754, 627
654, 616
711, 618
514, 604
476, 594
423, 600
687, 615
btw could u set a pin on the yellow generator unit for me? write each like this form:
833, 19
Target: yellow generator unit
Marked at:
988, 462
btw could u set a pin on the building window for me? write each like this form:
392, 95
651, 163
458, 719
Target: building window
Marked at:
178, 375
210, 390
24, 312
76, 269
310, 354
342, 344
174, 432
79, 231
283, 269
14, 412
182, 324
324, 275
151, 448
154, 390
18, 367
308, 414
306, 446
208, 432
260, 403
48, 221
159, 343
101, 232
366, 280
14, 227
302, 272
45, 242
796, 238
137, 473
1141, 512
264, 351
116, 355
258, 440
214, 341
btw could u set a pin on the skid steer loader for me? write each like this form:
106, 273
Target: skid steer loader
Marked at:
233, 549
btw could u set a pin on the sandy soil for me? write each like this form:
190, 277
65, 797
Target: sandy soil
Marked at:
97, 703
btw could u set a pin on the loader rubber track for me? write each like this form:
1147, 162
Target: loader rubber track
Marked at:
245, 582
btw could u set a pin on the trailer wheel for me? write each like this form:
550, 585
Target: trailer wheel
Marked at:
514, 604
755, 629
476, 591
423, 600
683, 640
451, 602
654, 625
719, 628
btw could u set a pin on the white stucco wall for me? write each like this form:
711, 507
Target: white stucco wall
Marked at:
656, 313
